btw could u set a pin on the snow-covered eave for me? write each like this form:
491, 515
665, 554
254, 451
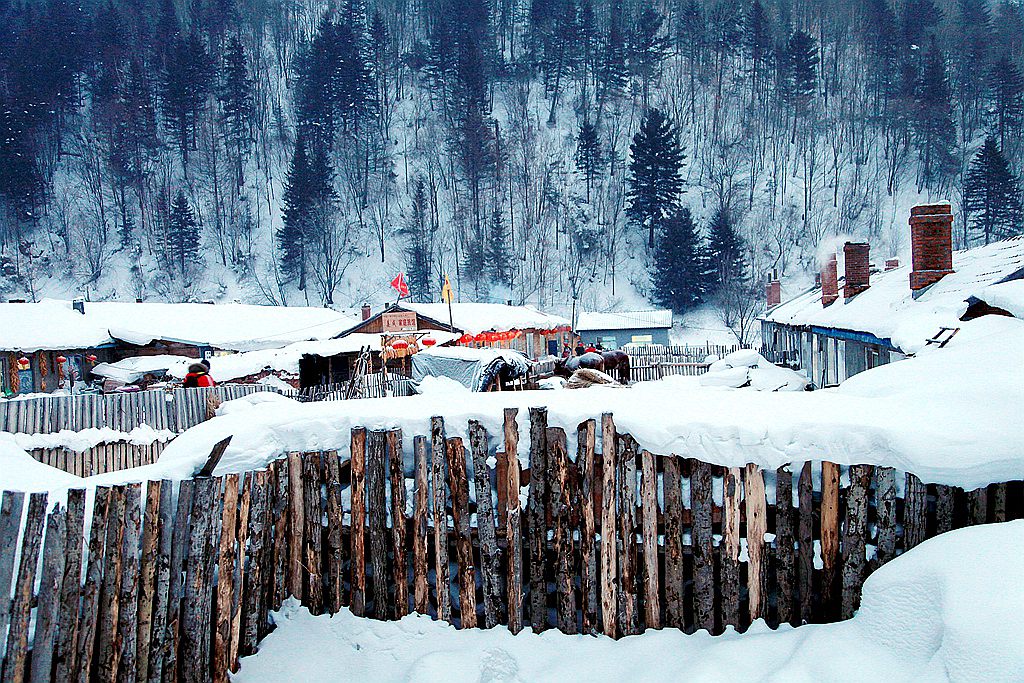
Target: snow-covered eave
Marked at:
33, 348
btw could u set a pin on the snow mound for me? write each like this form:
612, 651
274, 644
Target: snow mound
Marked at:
440, 386
748, 368
923, 618
22, 472
143, 435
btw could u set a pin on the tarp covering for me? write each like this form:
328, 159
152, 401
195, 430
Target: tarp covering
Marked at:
475, 369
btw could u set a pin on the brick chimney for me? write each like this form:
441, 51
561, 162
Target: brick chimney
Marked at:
366, 311
931, 241
829, 281
891, 264
858, 268
773, 292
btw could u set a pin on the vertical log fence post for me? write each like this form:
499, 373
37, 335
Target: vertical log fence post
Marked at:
514, 548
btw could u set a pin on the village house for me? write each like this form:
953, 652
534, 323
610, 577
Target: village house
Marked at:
868, 317
616, 329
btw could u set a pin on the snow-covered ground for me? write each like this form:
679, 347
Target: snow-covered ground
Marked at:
923, 618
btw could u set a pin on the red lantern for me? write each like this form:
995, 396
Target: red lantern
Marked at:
23, 363
480, 337
492, 336
428, 341
61, 360
466, 339
507, 336
565, 328
399, 345
91, 358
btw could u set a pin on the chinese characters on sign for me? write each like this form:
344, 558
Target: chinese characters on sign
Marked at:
403, 321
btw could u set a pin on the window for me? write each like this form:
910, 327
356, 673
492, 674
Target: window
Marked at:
637, 339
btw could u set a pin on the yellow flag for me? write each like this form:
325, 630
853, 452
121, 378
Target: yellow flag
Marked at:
446, 291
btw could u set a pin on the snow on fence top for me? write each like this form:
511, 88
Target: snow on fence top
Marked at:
54, 325
623, 320
888, 310
474, 318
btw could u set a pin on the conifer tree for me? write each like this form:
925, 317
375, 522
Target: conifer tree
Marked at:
1006, 87
800, 74
589, 156
934, 129
678, 276
992, 198
655, 172
648, 49
612, 73
187, 82
725, 250
182, 233
496, 251
292, 236
419, 249
236, 98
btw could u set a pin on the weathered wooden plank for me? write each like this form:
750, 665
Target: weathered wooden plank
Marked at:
48, 597
649, 502
785, 550
943, 508
489, 570
855, 531
10, 526
180, 544
885, 511
71, 584
999, 502
376, 475
264, 580
512, 521
147, 578
562, 545
253, 609
296, 527
195, 621
236, 641
421, 589
609, 524
282, 515
805, 541
227, 554
108, 654
334, 536
162, 581
438, 469
82, 663
730, 548
537, 507
915, 509
701, 507
673, 503
977, 506
459, 486
16, 658
399, 528
127, 617
628, 565
830, 578
757, 526
358, 534
586, 435
313, 516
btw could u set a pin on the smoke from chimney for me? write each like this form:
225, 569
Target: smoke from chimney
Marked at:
829, 281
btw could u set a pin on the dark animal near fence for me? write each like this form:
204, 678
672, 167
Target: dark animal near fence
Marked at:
603, 361
178, 587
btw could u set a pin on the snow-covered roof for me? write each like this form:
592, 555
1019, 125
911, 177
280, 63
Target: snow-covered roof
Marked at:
130, 369
55, 325
474, 318
623, 320
1008, 296
888, 309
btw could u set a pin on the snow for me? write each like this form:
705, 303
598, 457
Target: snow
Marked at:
19, 471
702, 326
748, 368
54, 325
588, 321
474, 318
128, 370
143, 435
1008, 296
482, 355
888, 310
922, 618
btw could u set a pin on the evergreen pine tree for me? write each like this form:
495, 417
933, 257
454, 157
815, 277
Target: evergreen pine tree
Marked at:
757, 44
800, 74
292, 236
182, 233
187, 82
648, 49
419, 248
496, 251
589, 156
678, 274
992, 198
655, 166
612, 73
934, 129
725, 251
236, 98
972, 60
1007, 96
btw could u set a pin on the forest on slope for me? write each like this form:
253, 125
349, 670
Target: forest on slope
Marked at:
560, 152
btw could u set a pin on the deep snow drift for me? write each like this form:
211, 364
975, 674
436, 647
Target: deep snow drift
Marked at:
923, 617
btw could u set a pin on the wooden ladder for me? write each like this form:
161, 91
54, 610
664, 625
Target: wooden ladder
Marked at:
359, 374
943, 337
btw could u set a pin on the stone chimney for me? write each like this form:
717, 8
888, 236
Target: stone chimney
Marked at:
366, 311
773, 292
891, 264
829, 281
931, 242
858, 268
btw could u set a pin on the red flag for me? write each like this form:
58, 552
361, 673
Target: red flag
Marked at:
399, 285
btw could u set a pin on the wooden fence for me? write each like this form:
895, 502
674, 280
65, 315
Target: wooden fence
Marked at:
101, 458
653, 363
176, 410
614, 541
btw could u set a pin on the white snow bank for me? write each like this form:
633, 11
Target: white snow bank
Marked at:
19, 471
748, 368
922, 618
131, 369
1008, 296
143, 435
474, 318
441, 386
